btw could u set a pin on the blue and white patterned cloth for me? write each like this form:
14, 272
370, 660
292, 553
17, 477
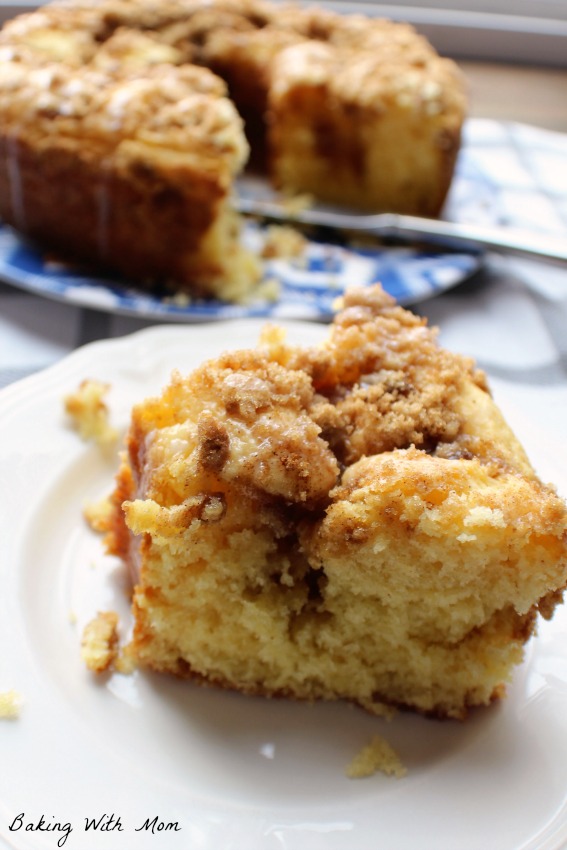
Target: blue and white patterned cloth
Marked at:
509, 314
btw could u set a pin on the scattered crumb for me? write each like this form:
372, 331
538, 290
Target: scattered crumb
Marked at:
99, 645
72, 618
10, 704
283, 241
89, 413
376, 756
179, 299
97, 514
338, 303
126, 662
268, 290
298, 203
273, 339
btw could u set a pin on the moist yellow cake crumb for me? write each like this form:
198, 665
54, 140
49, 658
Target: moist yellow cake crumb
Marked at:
89, 413
376, 756
99, 644
10, 704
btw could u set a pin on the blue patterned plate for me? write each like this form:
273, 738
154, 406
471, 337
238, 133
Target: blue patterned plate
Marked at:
308, 287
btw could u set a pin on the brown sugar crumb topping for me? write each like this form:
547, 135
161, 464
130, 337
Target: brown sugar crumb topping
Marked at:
381, 381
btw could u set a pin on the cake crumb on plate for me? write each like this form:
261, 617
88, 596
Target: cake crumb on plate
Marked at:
99, 644
378, 755
89, 413
97, 514
10, 704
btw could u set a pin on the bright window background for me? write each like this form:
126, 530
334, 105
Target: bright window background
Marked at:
524, 31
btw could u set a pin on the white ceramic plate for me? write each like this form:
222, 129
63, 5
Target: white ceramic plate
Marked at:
233, 772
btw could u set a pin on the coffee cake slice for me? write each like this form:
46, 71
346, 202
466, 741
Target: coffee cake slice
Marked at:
349, 521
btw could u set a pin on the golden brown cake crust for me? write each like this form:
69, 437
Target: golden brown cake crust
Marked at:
394, 558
